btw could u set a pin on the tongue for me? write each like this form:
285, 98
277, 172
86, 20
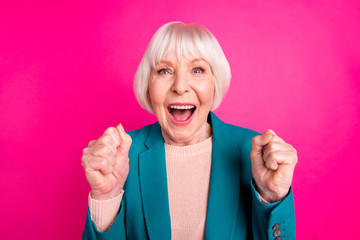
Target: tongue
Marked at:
181, 115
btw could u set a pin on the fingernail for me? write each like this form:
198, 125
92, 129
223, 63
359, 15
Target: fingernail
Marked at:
121, 132
122, 128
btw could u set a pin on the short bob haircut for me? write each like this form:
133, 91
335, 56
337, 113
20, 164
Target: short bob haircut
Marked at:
185, 40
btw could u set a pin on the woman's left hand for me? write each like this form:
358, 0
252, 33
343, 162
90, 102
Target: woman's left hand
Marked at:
272, 162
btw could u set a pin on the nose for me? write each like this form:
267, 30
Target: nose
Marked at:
180, 85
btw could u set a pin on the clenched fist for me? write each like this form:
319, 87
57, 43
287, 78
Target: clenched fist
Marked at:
106, 163
272, 162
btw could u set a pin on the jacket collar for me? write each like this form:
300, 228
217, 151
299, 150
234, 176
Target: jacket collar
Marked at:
223, 191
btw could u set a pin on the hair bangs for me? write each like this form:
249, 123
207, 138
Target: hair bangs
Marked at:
182, 42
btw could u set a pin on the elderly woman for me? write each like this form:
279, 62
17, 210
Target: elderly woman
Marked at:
190, 175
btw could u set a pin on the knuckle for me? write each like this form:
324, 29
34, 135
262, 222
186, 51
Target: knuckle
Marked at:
104, 150
101, 161
85, 150
83, 159
104, 163
113, 131
110, 133
271, 145
294, 150
296, 159
106, 139
268, 164
268, 131
91, 143
110, 130
98, 163
271, 156
100, 151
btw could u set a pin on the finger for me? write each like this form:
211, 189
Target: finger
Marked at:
91, 163
125, 141
102, 151
114, 135
258, 142
269, 131
108, 141
92, 142
120, 158
277, 158
273, 146
276, 138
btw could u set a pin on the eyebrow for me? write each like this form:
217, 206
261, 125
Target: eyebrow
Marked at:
166, 62
198, 60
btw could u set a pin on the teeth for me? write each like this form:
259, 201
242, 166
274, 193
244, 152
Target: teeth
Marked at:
182, 106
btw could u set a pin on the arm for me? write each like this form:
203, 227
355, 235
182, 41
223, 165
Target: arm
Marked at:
106, 166
104, 212
273, 162
273, 220
116, 231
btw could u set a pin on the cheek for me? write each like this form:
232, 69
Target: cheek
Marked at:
206, 92
157, 94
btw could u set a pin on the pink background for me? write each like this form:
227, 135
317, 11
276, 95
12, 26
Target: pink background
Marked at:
66, 73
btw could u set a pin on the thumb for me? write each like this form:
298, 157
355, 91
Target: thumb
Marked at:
125, 140
260, 141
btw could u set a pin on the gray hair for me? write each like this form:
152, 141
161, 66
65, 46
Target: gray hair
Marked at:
185, 40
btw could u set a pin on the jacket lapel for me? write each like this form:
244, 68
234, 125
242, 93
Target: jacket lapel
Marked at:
224, 184
153, 186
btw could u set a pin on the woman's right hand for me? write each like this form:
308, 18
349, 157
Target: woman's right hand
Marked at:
106, 163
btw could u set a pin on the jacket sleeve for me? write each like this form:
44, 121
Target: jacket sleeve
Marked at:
274, 220
116, 232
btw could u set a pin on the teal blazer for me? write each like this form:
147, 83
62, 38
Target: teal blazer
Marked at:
234, 209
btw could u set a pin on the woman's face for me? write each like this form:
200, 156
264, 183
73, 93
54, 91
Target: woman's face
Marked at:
181, 94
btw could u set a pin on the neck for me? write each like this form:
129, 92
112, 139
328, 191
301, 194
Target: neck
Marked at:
202, 134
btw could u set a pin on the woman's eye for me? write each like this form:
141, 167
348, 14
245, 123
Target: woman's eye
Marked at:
163, 71
198, 70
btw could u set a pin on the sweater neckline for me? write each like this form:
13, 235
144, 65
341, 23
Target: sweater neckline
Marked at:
189, 150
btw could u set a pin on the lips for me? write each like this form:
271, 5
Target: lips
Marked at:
181, 113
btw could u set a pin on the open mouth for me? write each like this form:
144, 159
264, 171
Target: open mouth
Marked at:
181, 112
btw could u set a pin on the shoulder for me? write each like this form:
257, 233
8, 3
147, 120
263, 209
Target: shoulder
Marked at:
139, 138
238, 142
239, 137
235, 137
141, 133
239, 133
229, 132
